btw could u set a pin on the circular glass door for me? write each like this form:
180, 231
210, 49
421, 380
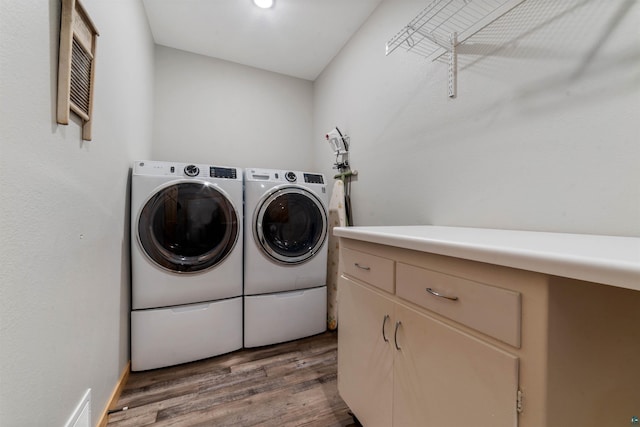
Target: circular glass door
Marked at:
290, 225
187, 227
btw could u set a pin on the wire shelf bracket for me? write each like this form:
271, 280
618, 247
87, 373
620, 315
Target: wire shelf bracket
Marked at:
445, 24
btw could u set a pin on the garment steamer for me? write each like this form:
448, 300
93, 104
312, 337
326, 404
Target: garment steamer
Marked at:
339, 143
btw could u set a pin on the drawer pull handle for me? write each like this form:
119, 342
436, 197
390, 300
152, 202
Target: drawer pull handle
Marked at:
362, 267
436, 294
395, 335
384, 322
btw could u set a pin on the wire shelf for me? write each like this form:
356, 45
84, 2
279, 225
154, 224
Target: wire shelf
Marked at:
443, 25
429, 33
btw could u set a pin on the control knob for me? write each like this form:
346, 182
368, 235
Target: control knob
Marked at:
191, 170
291, 176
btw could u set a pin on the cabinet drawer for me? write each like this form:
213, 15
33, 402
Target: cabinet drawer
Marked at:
493, 311
374, 270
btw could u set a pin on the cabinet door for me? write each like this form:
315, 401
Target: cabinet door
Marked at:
446, 378
365, 359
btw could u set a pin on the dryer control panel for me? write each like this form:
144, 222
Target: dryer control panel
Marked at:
229, 173
191, 170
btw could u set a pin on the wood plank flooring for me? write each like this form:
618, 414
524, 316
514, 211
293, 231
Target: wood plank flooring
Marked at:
284, 385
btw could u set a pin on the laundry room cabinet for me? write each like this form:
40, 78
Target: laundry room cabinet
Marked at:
434, 383
365, 356
434, 340
398, 366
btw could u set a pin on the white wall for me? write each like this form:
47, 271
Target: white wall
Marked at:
64, 296
544, 133
213, 111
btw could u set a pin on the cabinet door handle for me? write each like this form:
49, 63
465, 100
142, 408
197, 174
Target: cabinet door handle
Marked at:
361, 266
395, 335
384, 322
436, 294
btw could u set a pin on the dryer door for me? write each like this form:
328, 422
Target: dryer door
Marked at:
188, 226
290, 225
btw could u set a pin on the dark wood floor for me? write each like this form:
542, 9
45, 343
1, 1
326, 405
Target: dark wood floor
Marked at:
290, 384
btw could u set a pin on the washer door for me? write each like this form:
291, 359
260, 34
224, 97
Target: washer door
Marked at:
290, 225
188, 226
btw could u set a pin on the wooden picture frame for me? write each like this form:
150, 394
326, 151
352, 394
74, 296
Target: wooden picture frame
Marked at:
76, 65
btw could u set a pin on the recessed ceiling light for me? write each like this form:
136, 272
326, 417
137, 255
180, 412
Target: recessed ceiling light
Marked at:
265, 4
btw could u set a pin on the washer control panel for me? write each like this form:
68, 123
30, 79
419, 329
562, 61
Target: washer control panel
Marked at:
272, 175
312, 178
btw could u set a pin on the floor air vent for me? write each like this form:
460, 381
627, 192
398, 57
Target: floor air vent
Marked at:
81, 417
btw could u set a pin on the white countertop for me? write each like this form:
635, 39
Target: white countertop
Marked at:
609, 260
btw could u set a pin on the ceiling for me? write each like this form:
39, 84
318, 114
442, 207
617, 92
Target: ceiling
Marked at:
295, 37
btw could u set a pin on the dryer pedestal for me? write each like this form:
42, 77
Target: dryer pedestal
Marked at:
284, 316
169, 336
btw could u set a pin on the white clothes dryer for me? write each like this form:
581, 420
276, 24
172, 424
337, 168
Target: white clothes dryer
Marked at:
285, 263
186, 262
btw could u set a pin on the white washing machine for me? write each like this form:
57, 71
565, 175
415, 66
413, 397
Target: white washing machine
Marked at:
186, 262
285, 261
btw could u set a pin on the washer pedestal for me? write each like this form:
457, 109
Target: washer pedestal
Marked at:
284, 316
